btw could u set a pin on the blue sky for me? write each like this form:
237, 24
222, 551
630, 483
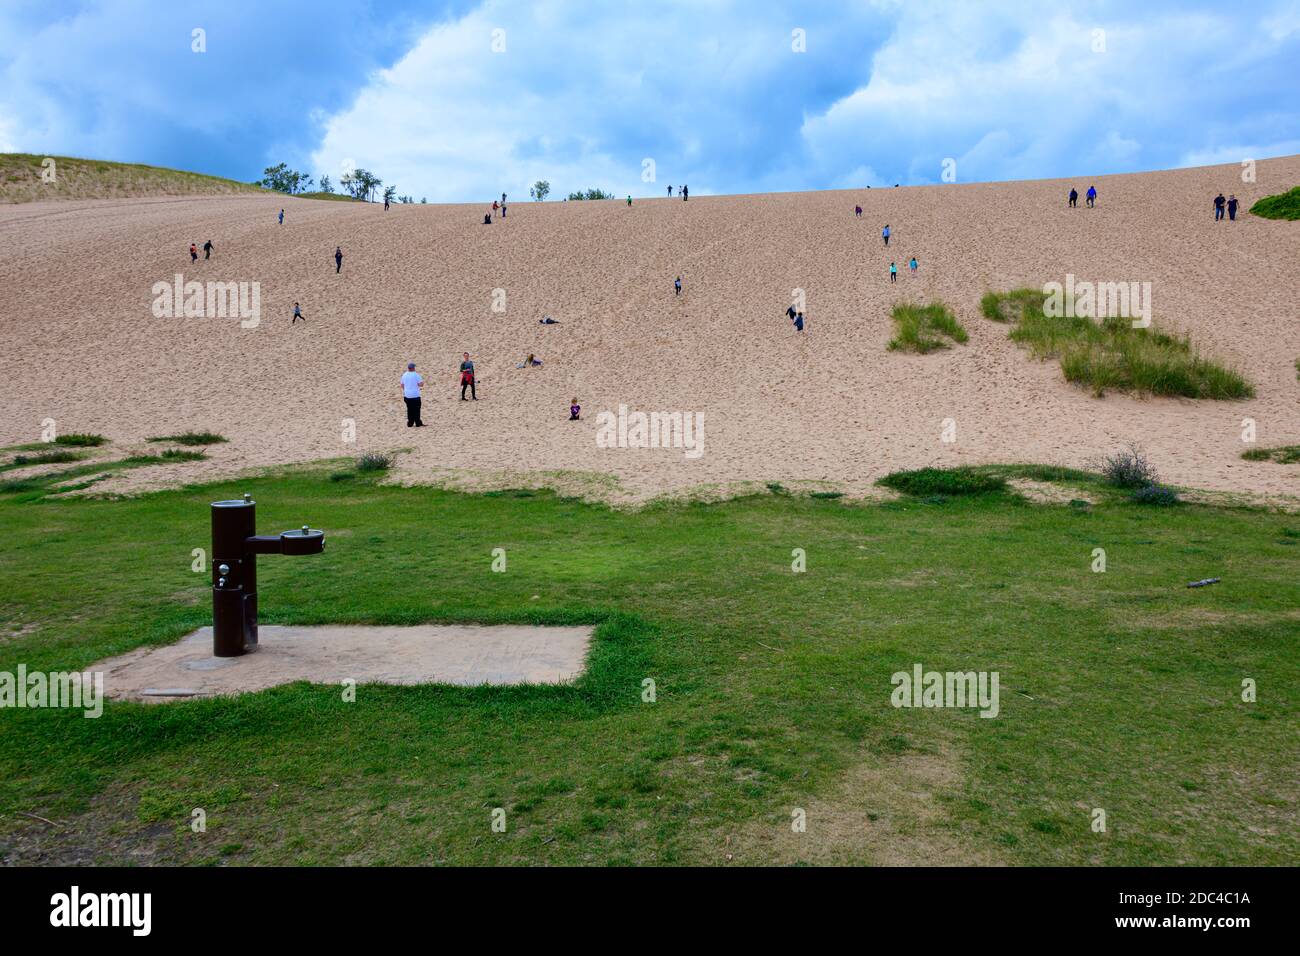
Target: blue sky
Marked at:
458, 101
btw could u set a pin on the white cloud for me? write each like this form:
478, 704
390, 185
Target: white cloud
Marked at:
886, 92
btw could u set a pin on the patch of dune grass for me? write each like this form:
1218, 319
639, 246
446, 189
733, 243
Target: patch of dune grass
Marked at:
81, 440
1282, 455
930, 482
21, 179
191, 438
1282, 206
44, 458
1112, 355
171, 454
925, 328
335, 197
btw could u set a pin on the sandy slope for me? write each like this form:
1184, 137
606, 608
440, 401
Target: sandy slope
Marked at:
82, 347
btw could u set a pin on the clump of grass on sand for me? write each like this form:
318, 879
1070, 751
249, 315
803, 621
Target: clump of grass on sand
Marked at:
925, 328
45, 458
946, 482
374, 462
1111, 354
1282, 206
1282, 455
171, 454
80, 440
191, 438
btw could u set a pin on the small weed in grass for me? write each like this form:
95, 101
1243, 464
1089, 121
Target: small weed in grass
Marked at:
191, 438
374, 462
1111, 354
931, 482
342, 475
827, 494
1282, 455
177, 454
925, 328
80, 440
1155, 495
1282, 206
776, 488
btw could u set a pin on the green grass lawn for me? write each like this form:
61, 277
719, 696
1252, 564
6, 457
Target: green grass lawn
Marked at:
1119, 690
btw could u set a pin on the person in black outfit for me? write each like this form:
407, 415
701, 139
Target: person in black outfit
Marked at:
1218, 207
1232, 208
207, 249
338, 259
1074, 197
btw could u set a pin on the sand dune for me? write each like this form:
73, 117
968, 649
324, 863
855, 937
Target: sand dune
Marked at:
82, 346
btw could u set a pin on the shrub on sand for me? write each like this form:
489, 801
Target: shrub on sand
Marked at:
1129, 468
923, 328
374, 462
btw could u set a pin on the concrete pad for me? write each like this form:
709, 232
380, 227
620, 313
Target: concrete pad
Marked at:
426, 654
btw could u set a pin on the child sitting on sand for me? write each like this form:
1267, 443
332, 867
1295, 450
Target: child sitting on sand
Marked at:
530, 362
574, 409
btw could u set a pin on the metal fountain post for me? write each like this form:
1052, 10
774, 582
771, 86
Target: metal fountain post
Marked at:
235, 548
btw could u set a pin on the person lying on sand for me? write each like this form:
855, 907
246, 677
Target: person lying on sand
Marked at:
530, 362
547, 320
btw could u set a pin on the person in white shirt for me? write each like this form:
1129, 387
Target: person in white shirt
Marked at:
412, 382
